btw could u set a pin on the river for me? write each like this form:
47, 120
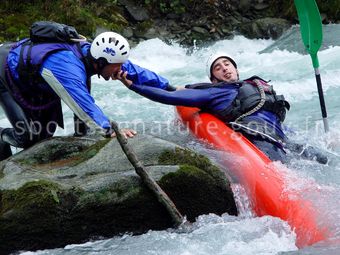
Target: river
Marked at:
290, 71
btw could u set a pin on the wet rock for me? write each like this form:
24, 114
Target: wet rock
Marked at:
215, 20
261, 6
265, 28
127, 32
200, 30
244, 6
151, 33
68, 190
138, 13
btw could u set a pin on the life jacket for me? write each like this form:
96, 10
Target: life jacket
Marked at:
27, 91
32, 55
248, 98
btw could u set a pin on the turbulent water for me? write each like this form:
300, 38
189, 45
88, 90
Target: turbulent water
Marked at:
291, 73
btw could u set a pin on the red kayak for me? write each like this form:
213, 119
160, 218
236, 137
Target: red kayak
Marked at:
264, 182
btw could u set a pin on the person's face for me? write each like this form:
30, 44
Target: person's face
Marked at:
110, 70
224, 70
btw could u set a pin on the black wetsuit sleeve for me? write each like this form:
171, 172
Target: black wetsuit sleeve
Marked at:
185, 97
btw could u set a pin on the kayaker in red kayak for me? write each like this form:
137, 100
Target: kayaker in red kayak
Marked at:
250, 106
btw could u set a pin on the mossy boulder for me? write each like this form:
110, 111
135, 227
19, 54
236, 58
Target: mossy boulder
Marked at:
69, 190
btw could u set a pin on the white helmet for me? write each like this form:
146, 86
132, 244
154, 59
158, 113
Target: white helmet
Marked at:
111, 46
211, 60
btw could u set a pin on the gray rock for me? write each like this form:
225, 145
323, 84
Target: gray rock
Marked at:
244, 5
291, 40
163, 32
127, 32
219, 20
265, 28
151, 33
68, 190
138, 13
261, 6
138, 33
172, 23
200, 30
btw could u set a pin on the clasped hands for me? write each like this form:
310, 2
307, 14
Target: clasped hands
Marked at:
122, 76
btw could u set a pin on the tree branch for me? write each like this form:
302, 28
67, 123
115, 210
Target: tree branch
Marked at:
146, 178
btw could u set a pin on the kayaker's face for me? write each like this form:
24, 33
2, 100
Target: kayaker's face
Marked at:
224, 70
110, 70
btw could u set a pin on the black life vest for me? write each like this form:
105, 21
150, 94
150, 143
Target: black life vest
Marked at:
248, 98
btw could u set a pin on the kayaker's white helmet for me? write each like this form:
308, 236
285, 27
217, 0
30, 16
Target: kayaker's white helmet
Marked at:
111, 46
212, 59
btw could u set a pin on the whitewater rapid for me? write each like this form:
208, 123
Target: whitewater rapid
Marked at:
292, 74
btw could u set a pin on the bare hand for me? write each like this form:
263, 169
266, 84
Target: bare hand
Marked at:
122, 76
126, 132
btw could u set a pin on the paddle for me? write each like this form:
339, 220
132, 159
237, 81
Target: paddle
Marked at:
311, 32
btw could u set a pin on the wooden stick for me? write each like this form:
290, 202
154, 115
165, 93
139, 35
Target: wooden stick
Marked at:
146, 178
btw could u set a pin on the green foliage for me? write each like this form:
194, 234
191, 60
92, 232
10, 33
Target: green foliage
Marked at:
168, 6
85, 16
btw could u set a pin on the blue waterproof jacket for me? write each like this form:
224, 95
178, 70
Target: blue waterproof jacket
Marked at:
70, 71
212, 100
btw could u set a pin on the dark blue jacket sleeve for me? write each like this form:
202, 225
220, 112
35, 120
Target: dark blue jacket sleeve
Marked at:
142, 76
185, 97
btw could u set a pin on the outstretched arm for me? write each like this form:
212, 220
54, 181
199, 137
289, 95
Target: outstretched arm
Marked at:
143, 76
184, 97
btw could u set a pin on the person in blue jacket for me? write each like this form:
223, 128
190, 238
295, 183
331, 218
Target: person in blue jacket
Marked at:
35, 77
250, 106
